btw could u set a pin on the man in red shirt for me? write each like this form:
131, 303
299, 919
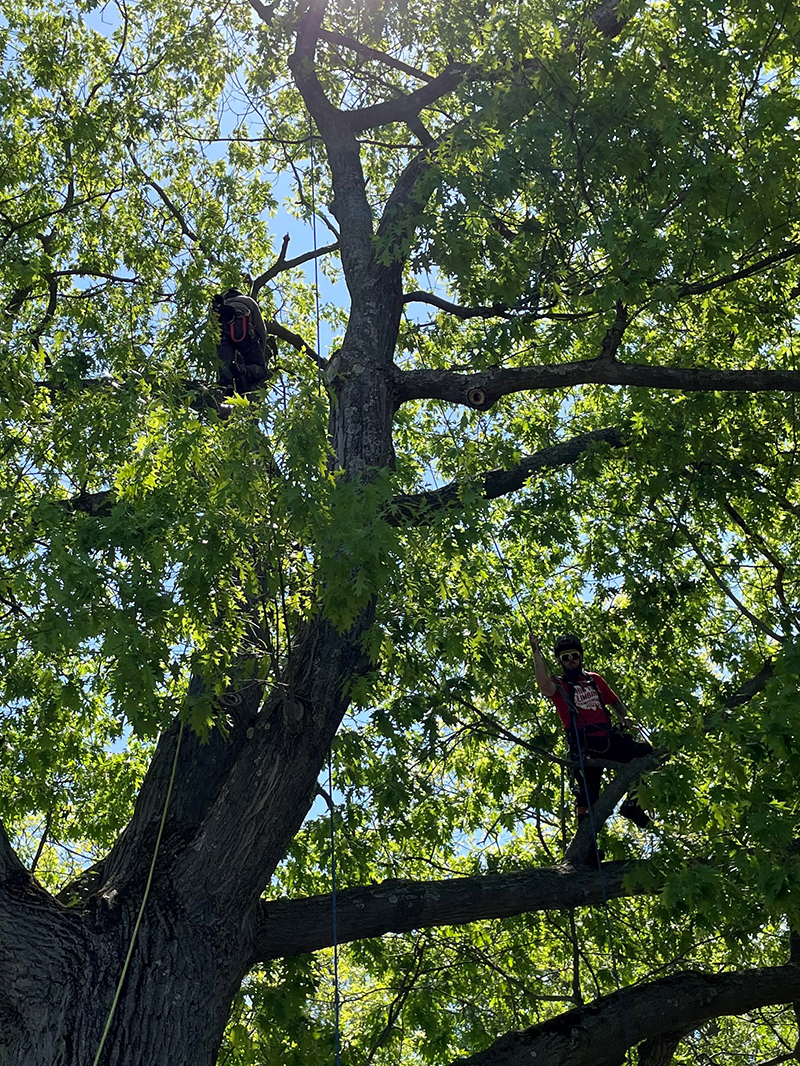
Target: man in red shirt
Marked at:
582, 700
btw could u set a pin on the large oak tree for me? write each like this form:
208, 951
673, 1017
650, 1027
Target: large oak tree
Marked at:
551, 384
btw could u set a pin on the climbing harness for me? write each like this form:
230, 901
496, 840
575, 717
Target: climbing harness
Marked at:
593, 827
145, 896
245, 321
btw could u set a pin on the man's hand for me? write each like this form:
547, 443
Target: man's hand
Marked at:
535, 643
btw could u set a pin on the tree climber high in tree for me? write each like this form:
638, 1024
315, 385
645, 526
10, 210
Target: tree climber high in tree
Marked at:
582, 699
244, 346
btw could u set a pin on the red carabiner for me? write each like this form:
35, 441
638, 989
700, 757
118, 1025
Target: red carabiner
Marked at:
245, 327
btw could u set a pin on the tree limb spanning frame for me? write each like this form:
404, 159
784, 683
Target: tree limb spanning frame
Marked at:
601, 1033
482, 389
293, 927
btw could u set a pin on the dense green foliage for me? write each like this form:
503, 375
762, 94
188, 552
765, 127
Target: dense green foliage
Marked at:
146, 153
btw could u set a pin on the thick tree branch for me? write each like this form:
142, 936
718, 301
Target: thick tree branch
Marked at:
753, 685
408, 107
497, 310
373, 53
601, 1033
43, 946
301, 64
422, 506
582, 848
294, 927
487, 386
794, 959
661, 1050
350, 205
615, 332
282, 333
263, 11
606, 18
10, 862
92, 503
258, 800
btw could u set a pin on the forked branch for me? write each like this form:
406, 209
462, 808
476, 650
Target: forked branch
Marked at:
581, 848
373, 53
282, 263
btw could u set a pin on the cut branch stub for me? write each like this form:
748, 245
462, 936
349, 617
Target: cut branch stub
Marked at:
477, 398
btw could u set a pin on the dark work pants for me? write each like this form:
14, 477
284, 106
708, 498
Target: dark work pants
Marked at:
241, 366
616, 746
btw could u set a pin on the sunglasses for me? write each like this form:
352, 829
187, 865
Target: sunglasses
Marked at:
570, 656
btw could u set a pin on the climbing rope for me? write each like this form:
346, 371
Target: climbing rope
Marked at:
145, 896
162, 823
621, 990
573, 714
521, 607
334, 930
336, 1000
314, 230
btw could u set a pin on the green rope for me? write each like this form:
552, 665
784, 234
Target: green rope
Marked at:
138, 922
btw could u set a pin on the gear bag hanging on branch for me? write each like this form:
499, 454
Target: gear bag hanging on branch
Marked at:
244, 346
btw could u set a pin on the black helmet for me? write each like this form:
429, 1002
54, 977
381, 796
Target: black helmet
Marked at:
569, 640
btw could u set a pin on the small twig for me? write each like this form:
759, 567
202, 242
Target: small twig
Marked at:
725, 588
496, 310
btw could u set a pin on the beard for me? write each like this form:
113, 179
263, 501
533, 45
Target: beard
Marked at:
573, 671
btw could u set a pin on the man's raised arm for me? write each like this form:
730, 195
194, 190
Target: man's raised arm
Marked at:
547, 685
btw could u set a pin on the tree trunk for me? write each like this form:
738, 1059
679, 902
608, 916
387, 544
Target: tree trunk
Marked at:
175, 999
60, 965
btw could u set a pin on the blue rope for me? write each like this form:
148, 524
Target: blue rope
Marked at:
593, 827
338, 1042
335, 934
314, 230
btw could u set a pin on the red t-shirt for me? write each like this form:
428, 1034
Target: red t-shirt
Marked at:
590, 701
